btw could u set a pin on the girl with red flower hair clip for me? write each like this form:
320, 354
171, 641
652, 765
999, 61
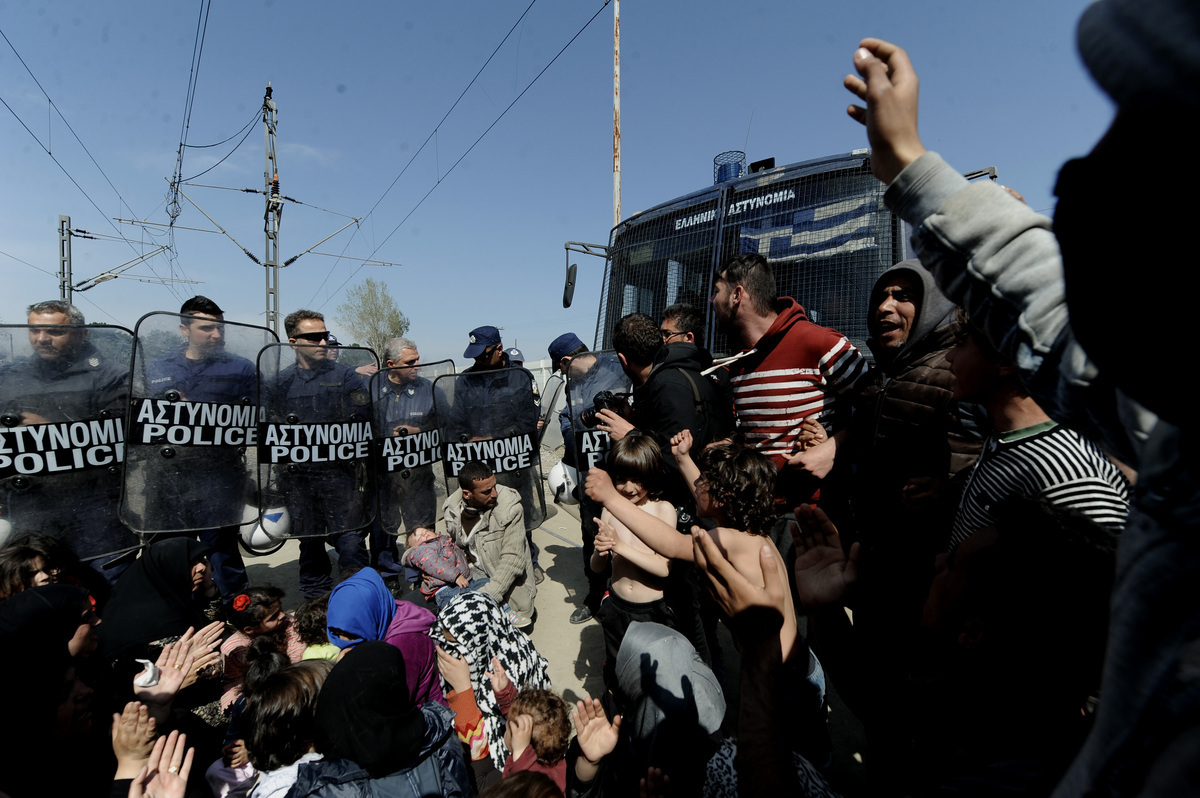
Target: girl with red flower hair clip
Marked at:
256, 613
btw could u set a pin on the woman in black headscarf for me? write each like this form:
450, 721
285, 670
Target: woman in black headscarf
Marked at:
64, 612
370, 731
168, 590
164, 592
47, 698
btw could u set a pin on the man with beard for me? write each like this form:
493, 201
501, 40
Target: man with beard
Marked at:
67, 379
202, 371
788, 370
907, 443
487, 522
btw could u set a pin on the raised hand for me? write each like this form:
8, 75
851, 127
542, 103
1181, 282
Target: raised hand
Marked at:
681, 443
599, 486
597, 737
132, 739
733, 592
204, 648
824, 574
174, 664
166, 773
455, 671
889, 87
498, 677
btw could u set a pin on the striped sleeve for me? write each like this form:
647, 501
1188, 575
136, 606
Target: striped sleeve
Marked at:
841, 367
1059, 467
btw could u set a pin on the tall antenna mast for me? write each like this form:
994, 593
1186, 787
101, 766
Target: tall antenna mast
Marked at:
274, 211
616, 112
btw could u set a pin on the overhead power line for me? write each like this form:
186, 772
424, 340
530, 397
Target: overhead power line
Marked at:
65, 122
461, 157
425, 143
82, 190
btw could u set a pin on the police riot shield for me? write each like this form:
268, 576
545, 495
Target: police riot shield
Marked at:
191, 455
595, 382
550, 392
314, 443
492, 416
408, 446
64, 391
356, 357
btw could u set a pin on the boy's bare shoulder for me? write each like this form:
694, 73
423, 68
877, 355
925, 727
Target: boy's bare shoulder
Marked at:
662, 510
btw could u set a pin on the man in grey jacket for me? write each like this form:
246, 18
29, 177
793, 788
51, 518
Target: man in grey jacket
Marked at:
1039, 294
487, 521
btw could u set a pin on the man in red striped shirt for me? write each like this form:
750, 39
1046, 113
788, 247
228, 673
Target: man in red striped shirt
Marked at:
789, 370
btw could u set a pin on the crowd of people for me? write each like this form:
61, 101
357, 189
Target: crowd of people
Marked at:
981, 535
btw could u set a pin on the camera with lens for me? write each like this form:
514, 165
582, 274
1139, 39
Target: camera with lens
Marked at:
604, 400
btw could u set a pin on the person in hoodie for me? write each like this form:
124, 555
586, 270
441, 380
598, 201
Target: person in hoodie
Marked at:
911, 443
911, 447
669, 395
362, 609
788, 370
377, 738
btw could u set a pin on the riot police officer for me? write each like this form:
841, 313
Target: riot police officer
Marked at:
64, 381
404, 405
325, 502
211, 485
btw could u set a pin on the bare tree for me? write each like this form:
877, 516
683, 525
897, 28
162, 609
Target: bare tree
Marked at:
371, 315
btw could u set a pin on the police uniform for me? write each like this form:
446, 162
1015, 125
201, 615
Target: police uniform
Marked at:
498, 403
78, 507
207, 484
325, 496
410, 405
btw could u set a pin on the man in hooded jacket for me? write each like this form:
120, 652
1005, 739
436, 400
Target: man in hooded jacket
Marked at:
908, 442
909, 439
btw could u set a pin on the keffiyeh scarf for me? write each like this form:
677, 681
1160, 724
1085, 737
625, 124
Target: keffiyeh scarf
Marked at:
482, 631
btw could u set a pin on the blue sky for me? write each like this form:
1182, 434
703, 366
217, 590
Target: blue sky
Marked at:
361, 85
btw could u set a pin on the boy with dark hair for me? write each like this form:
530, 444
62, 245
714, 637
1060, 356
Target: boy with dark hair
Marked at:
640, 576
735, 487
1028, 454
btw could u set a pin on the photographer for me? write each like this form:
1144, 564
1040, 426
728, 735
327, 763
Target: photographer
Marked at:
669, 395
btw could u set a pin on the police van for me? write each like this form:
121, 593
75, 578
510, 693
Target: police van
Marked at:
821, 224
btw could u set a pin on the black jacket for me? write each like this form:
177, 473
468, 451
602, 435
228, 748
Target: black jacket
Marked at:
676, 396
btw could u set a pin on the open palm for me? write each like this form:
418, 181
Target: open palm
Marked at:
824, 574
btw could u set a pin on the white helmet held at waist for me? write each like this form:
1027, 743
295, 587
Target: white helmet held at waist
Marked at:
563, 481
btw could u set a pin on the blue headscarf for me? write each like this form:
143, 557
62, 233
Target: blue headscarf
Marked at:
361, 606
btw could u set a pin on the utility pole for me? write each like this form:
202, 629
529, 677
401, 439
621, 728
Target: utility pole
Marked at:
64, 258
616, 112
274, 211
